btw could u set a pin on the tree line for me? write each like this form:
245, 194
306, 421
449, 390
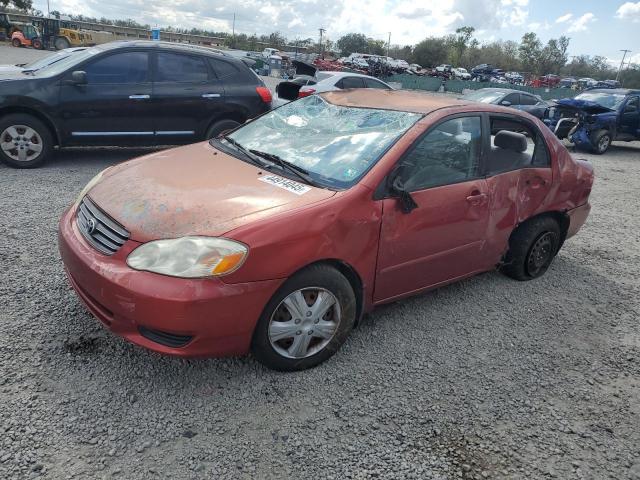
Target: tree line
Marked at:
529, 56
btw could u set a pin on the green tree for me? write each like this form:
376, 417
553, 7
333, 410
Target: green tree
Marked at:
430, 52
530, 51
24, 5
462, 40
352, 43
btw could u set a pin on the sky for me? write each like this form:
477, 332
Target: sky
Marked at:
596, 27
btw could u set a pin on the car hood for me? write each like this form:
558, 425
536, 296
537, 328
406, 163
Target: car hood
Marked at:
195, 190
584, 105
9, 69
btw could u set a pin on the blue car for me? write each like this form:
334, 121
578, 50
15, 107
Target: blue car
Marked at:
595, 118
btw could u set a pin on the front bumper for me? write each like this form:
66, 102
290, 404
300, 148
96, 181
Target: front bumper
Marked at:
212, 318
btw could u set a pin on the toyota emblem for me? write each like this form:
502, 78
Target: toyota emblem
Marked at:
91, 226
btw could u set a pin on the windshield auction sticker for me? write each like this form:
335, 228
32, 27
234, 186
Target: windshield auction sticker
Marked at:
285, 183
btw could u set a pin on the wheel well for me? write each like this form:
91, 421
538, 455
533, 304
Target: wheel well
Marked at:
34, 113
351, 275
560, 217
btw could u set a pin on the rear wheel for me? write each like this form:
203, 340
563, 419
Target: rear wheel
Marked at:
532, 248
37, 44
306, 321
16, 42
601, 141
25, 142
219, 127
61, 43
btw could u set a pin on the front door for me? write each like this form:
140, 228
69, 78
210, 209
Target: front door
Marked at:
442, 239
186, 96
630, 119
113, 107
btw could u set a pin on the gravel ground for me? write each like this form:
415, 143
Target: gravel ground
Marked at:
488, 378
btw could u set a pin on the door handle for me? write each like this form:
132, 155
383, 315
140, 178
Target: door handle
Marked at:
139, 97
477, 198
535, 182
210, 95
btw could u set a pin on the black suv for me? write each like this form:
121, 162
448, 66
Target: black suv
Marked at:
125, 93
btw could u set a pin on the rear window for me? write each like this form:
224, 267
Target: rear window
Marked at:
174, 67
224, 69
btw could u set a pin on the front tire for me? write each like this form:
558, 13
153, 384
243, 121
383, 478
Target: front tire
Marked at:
61, 43
25, 142
601, 142
306, 321
16, 43
37, 44
532, 248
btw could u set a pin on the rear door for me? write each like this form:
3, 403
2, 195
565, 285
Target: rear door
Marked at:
350, 82
113, 107
186, 96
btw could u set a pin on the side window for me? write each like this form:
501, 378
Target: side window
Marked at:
515, 144
512, 98
449, 153
633, 105
372, 83
527, 99
352, 82
120, 68
175, 67
224, 69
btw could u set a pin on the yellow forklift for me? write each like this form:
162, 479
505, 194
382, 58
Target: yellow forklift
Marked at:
61, 34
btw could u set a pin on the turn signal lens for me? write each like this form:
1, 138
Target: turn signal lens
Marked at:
189, 257
306, 92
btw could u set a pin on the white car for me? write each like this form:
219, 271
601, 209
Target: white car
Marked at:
42, 62
461, 73
304, 86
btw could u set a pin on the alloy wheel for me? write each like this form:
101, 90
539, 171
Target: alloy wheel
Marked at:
603, 143
304, 322
21, 143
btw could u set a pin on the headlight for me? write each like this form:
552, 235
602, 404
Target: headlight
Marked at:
92, 183
189, 257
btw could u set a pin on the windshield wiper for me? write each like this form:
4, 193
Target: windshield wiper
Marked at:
293, 168
254, 159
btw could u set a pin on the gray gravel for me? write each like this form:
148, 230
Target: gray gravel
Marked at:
488, 378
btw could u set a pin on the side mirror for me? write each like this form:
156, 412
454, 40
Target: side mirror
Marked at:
397, 189
79, 77
506, 103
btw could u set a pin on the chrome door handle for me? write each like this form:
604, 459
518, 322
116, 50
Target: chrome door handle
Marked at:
139, 97
210, 95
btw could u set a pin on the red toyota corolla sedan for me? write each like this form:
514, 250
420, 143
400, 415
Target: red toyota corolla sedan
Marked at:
277, 237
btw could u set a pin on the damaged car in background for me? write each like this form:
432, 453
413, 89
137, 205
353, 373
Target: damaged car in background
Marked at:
595, 118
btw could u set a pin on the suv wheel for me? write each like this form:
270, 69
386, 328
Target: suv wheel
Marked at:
219, 127
532, 248
306, 321
25, 142
601, 141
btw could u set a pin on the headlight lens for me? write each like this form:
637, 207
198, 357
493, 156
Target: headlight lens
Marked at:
189, 257
92, 183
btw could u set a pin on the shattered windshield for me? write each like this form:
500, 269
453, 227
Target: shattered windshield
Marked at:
336, 145
607, 100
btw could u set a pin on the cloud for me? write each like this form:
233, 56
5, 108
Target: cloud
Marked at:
408, 20
581, 24
629, 11
538, 26
564, 18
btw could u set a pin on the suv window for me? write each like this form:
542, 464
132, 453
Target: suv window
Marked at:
513, 98
350, 82
119, 68
223, 69
506, 157
449, 153
372, 83
175, 67
633, 104
528, 99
